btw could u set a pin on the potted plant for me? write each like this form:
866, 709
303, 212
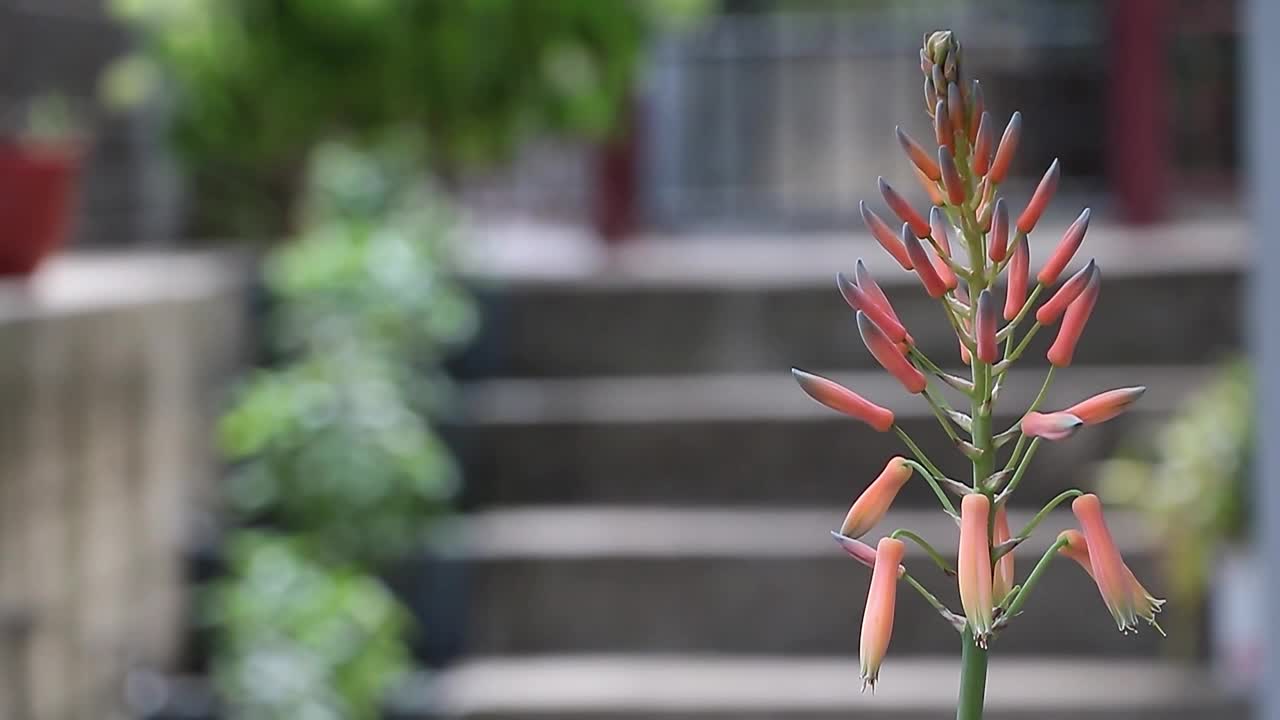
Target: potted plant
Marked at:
1192, 481
39, 172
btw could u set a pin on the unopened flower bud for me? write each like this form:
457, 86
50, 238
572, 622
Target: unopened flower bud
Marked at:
860, 301
889, 356
1050, 426
903, 209
1039, 199
999, 239
1048, 313
985, 328
918, 155
874, 502
982, 146
877, 616
1065, 250
973, 567
1074, 320
1019, 266
1006, 149
884, 235
843, 400
951, 181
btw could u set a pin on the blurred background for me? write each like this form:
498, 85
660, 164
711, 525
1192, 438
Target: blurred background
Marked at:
428, 358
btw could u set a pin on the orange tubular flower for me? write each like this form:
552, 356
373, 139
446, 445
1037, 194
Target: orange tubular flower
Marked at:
880, 314
985, 330
1003, 581
903, 210
1148, 606
951, 181
1050, 426
999, 231
1123, 594
884, 235
982, 146
1040, 198
1064, 346
877, 617
1005, 150
942, 126
974, 566
1049, 312
871, 506
918, 155
889, 356
955, 108
1105, 406
979, 109
843, 400
930, 187
1067, 247
860, 551
1019, 265
933, 283
866, 283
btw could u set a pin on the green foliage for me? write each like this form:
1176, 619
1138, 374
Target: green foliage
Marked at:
301, 638
334, 448
257, 83
1193, 483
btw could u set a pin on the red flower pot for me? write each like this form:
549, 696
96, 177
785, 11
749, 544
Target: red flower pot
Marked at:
37, 189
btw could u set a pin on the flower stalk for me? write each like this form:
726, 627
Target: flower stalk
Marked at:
976, 263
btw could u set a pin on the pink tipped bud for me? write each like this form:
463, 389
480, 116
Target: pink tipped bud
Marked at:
974, 566
1123, 594
930, 94
1050, 426
1048, 313
928, 274
877, 617
889, 356
1019, 266
1074, 320
1005, 150
942, 126
982, 146
1003, 581
985, 328
951, 181
884, 235
1066, 249
938, 225
862, 277
859, 300
919, 157
1040, 198
860, 551
930, 188
874, 502
979, 108
955, 108
999, 246
1105, 406
843, 400
903, 209
939, 80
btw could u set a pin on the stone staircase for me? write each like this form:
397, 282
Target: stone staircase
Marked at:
649, 495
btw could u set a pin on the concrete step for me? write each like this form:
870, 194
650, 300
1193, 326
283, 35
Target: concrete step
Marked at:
1170, 295
753, 438
694, 687
750, 581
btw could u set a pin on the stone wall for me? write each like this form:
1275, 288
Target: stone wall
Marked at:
110, 372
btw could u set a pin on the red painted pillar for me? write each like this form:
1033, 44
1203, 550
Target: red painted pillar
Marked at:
1138, 147
615, 201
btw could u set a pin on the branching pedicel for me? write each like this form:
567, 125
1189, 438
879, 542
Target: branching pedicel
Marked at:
962, 179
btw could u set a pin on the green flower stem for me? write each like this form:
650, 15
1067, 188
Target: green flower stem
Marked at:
932, 479
956, 621
939, 408
973, 679
934, 555
1022, 470
1015, 607
1007, 331
1048, 508
915, 450
1017, 351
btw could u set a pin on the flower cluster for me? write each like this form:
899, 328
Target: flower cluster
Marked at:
959, 250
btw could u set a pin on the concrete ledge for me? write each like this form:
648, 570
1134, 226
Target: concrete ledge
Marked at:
812, 688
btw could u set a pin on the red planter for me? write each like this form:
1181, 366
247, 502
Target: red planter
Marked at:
37, 189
